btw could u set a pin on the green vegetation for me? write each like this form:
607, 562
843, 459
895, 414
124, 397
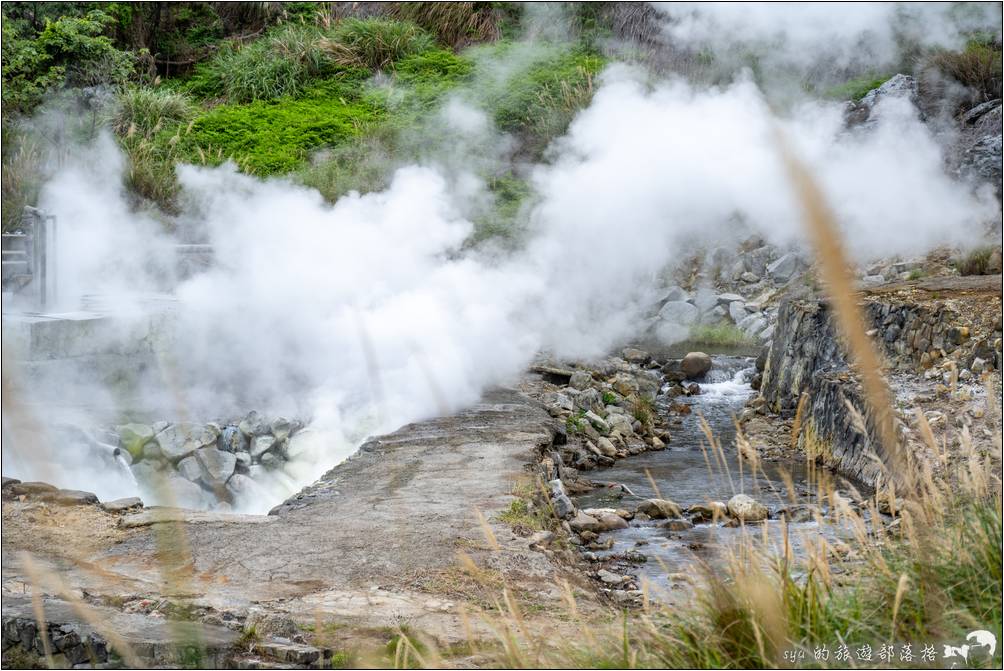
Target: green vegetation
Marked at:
977, 67
610, 398
857, 88
523, 516
723, 334
978, 262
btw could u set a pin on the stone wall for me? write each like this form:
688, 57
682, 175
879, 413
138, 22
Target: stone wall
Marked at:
940, 340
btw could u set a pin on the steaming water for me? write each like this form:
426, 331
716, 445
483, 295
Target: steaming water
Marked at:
682, 474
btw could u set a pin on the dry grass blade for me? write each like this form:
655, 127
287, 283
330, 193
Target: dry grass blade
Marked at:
839, 283
43, 628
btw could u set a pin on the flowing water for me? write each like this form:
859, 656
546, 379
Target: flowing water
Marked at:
688, 473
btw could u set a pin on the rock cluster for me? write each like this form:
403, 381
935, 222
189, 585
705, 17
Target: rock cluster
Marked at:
71, 644
206, 465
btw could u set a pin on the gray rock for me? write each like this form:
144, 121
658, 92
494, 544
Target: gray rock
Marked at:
182, 492
244, 487
749, 278
728, 299
673, 293
253, 425
180, 440
695, 365
611, 578
152, 451
560, 503
756, 261
281, 428
69, 497
190, 469
271, 460
605, 447
680, 313
633, 355
784, 268
872, 280
580, 380
746, 509
611, 522
718, 313
677, 524
120, 505
598, 422
737, 311
583, 522
260, 445
216, 464
659, 509
898, 86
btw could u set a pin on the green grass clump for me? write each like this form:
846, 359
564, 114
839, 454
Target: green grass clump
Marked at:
374, 43
147, 110
978, 67
539, 102
856, 89
609, 398
523, 516
267, 138
723, 334
976, 262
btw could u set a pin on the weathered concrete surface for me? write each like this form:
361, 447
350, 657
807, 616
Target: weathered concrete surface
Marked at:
374, 542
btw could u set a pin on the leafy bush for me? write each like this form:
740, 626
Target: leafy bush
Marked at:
374, 43
71, 50
147, 110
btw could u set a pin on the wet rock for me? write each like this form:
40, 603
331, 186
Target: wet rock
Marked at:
178, 441
271, 460
677, 524
636, 356
695, 365
708, 512
612, 522
244, 487
132, 438
659, 509
232, 439
674, 293
802, 512
583, 522
746, 509
182, 492
122, 505
217, 465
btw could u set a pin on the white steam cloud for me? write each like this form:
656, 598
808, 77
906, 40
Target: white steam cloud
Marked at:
370, 313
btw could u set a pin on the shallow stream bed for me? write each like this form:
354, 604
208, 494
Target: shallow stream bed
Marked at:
688, 473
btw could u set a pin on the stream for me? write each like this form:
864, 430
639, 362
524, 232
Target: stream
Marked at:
688, 474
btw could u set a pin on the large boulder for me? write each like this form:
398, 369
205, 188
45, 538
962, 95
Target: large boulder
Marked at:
695, 365
217, 465
132, 438
659, 509
680, 313
784, 268
178, 441
747, 509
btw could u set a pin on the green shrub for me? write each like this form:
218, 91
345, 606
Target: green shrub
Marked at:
374, 43
978, 67
71, 51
